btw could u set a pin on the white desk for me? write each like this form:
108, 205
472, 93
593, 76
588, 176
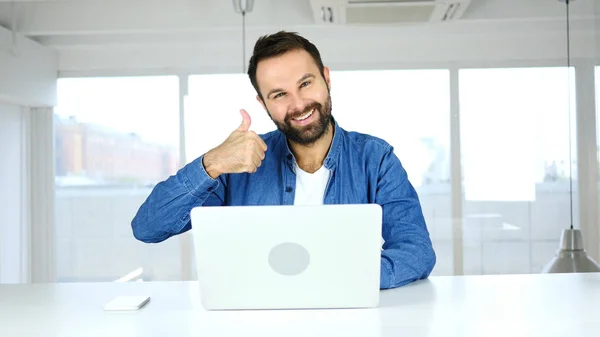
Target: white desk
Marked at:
507, 305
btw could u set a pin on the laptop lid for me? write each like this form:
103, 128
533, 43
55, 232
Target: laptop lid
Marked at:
288, 257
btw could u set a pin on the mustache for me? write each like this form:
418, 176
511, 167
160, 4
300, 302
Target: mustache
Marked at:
306, 109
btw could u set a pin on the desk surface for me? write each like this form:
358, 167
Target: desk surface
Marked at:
502, 305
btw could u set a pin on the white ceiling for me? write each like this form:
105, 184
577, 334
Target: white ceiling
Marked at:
66, 24
105, 37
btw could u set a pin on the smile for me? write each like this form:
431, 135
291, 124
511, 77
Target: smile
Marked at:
305, 116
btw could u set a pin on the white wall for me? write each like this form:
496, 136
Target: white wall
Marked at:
29, 76
28, 73
11, 177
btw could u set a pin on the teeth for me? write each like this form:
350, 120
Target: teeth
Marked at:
308, 114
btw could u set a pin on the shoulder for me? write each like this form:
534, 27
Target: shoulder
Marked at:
270, 137
366, 142
375, 152
377, 155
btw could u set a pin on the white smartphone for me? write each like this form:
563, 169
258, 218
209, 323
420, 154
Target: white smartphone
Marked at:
126, 303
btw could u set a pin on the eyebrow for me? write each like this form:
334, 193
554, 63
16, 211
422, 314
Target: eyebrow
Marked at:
302, 79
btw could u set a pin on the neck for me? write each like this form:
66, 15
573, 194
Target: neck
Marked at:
310, 157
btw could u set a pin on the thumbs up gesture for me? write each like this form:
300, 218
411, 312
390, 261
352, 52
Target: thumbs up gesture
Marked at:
242, 151
246, 121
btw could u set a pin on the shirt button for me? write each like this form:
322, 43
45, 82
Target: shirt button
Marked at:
289, 157
288, 189
210, 189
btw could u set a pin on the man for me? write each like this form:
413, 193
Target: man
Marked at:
310, 159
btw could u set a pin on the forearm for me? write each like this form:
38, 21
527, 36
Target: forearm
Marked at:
408, 253
166, 211
406, 260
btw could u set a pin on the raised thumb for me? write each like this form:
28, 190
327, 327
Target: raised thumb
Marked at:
246, 121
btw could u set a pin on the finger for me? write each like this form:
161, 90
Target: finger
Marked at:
261, 143
260, 154
246, 121
257, 160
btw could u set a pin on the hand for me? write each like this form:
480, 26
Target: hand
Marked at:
242, 151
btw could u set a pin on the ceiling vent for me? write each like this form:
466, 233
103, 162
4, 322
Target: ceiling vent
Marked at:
385, 12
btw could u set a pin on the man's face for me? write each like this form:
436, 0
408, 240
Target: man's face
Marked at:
296, 96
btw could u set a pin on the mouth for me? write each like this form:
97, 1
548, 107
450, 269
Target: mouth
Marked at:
304, 118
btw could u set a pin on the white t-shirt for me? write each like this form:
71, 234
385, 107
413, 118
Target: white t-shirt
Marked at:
310, 187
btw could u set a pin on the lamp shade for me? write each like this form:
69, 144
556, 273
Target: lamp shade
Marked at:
571, 257
243, 6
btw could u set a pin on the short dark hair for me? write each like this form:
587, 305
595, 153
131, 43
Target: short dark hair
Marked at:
268, 46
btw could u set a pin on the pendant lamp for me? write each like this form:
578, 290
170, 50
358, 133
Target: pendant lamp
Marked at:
243, 7
571, 256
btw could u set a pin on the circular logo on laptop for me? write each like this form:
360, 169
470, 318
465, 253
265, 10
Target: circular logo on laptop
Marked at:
289, 258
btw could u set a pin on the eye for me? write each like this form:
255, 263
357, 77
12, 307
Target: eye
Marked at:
278, 95
305, 83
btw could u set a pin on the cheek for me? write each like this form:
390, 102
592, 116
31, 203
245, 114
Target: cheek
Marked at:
319, 95
278, 111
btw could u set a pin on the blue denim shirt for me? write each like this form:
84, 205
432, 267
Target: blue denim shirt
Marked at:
364, 169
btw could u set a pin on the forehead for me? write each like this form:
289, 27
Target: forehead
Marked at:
283, 69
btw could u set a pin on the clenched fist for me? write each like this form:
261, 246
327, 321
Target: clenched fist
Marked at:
242, 151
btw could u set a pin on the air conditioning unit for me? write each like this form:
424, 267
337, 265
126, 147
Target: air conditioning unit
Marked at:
377, 12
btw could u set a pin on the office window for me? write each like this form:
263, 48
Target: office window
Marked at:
115, 139
515, 156
212, 111
409, 109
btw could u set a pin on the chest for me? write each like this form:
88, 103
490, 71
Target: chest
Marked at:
288, 186
311, 187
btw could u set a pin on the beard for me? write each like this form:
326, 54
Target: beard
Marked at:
307, 134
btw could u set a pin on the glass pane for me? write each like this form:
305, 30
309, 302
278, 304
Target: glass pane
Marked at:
409, 109
115, 138
515, 156
212, 111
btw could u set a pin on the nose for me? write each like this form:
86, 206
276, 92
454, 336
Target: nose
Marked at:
297, 103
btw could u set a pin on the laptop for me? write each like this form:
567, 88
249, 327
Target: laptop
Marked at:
288, 257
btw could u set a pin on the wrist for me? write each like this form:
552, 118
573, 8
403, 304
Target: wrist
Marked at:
210, 165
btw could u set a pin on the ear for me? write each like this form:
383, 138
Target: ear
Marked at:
327, 78
261, 102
